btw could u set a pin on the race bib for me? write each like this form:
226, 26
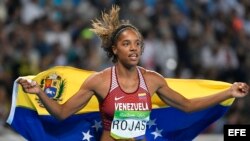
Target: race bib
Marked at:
129, 124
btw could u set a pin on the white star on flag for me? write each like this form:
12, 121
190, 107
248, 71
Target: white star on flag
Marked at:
157, 133
151, 123
97, 125
86, 136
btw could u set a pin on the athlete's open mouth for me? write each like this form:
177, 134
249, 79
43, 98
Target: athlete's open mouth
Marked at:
133, 56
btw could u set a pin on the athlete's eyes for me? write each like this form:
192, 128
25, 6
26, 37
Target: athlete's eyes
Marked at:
125, 43
138, 43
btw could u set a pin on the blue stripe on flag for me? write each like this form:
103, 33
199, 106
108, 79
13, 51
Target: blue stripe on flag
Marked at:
166, 124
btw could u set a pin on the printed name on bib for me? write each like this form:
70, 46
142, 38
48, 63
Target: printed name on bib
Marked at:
129, 124
124, 125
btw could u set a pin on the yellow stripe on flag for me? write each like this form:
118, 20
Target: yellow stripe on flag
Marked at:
64, 81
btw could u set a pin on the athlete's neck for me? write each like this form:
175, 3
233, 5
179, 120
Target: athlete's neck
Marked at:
127, 72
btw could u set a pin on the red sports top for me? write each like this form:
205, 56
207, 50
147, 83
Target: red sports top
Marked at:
117, 99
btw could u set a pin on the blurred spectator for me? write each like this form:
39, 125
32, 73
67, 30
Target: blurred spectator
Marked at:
166, 62
4, 106
31, 11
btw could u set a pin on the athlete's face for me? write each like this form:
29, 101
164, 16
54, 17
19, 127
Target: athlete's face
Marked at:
128, 47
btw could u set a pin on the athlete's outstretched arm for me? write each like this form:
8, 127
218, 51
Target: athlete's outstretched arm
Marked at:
175, 99
62, 111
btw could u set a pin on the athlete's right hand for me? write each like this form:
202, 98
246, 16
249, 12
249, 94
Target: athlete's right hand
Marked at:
29, 86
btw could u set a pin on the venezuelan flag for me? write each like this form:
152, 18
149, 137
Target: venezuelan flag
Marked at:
30, 119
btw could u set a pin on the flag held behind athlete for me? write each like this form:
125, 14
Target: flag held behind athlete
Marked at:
30, 119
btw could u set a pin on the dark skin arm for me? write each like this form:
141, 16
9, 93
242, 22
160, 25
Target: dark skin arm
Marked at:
74, 104
169, 96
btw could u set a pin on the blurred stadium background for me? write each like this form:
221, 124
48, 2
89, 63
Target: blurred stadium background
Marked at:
207, 39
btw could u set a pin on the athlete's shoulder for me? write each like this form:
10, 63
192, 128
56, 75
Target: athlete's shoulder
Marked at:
100, 75
149, 73
96, 79
153, 79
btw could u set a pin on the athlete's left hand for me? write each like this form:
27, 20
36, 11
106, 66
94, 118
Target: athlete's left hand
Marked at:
239, 89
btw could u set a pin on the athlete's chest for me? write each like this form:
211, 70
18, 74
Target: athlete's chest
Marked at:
118, 100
